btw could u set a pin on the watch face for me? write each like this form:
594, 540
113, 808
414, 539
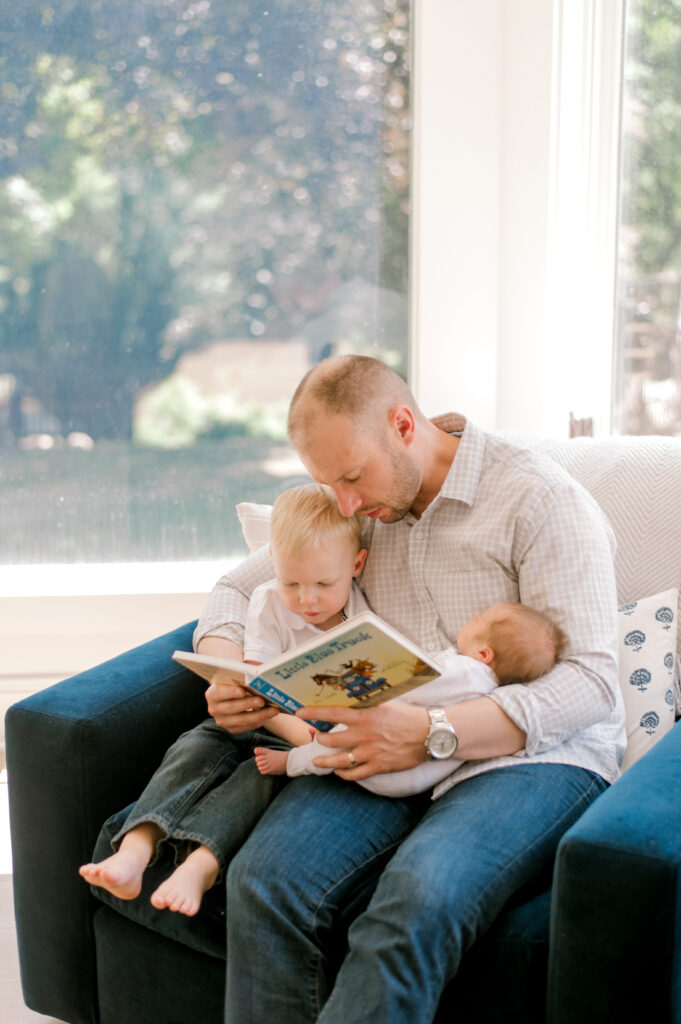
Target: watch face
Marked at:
442, 743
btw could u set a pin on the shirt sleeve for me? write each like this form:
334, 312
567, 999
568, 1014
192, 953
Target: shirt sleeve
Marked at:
225, 611
262, 634
567, 571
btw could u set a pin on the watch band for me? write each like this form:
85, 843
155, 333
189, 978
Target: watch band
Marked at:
441, 741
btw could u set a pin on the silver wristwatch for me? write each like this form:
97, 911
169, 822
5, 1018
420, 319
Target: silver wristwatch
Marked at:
441, 741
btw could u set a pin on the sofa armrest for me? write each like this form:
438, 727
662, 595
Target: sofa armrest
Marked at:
616, 909
76, 753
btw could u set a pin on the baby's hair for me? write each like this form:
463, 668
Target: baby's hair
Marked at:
308, 516
526, 643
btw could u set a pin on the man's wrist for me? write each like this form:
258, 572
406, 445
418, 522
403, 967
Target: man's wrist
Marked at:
441, 740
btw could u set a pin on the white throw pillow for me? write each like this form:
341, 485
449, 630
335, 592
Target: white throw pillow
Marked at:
255, 523
647, 671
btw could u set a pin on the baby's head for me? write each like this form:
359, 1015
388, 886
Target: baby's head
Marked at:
316, 552
518, 643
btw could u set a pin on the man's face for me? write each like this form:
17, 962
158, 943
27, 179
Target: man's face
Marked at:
375, 478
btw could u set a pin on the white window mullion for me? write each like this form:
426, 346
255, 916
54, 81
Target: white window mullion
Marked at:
583, 212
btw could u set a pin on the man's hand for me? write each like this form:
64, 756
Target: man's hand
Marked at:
233, 708
237, 710
386, 738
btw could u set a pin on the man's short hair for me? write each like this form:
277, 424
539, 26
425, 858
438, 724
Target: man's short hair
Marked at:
526, 643
360, 387
308, 516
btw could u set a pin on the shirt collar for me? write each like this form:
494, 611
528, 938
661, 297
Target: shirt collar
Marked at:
461, 483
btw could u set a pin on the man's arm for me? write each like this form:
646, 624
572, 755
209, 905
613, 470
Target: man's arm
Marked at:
391, 737
567, 570
224, 613
220, 632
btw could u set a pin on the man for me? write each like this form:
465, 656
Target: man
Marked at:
456, 521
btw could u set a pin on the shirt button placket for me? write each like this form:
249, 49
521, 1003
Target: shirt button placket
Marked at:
426, 617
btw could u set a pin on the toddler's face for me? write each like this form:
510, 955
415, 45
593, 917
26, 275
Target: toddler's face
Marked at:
317, 586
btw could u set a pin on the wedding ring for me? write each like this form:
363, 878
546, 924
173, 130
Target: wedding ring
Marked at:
351, 759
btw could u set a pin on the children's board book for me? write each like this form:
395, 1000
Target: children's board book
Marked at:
358, 664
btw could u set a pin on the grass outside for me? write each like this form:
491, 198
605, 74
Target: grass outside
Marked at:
123, 503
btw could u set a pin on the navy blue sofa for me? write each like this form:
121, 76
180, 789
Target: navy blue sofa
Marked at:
593, 940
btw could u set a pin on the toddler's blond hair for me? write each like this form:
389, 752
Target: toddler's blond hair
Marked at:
526, 643
308, 516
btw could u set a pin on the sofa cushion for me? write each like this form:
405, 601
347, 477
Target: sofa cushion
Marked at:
636, 481
255, 523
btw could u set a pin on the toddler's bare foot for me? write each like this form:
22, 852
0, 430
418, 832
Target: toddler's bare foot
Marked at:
270, 762
184, 890
121, 874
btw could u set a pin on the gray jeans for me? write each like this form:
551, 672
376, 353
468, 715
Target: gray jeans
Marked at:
207, 791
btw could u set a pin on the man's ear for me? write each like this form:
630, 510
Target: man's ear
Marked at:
359, 562
401, 420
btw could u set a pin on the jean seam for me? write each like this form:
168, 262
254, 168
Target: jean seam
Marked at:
203, 786
317, 997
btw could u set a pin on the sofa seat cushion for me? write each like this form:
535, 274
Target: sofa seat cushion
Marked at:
144, 977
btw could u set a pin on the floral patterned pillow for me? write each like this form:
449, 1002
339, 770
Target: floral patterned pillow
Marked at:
648, 669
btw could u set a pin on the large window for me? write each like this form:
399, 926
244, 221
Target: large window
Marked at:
647, 386
198, 200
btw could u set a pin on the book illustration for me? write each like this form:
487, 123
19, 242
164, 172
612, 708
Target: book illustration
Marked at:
356, 679
360, 664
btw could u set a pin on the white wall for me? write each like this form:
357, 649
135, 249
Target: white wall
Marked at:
515, 209
47, 638
456, 163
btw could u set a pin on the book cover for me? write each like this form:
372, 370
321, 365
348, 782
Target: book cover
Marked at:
358, 664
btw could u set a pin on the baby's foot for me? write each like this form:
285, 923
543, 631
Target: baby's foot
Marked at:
120, 874
270, 762
184, 890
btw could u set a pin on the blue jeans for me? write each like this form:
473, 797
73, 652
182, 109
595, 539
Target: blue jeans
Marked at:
321, 841
207, 791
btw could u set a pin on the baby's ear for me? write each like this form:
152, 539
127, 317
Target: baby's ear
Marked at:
485, 654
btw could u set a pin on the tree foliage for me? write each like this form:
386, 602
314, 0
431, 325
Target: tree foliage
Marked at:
651, 179
174, 171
